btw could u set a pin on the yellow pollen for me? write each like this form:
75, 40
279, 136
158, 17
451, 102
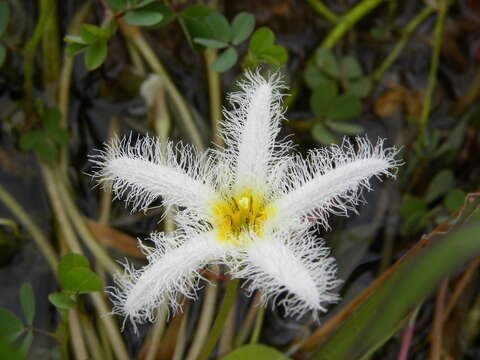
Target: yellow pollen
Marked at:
237, 215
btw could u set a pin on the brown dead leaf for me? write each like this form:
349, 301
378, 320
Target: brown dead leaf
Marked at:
390, 102
115, 239
413, 103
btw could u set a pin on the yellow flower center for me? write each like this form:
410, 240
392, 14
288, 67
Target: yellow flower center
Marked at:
238, 215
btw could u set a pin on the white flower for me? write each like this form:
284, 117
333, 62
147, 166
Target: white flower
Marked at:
251, 206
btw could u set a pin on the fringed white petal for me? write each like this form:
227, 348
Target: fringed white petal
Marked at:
144, 170
331, 181
173, 269
297, 273
251, 127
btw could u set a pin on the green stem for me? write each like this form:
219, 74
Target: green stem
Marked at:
348, 20
146, 51
65, 81
227, 303
76, 218
321, 9
37, 235
50, 51
76, 335
157, 332
91, 337
214, 94
432, 76
206, 317
29, 55
406, 33
258, 325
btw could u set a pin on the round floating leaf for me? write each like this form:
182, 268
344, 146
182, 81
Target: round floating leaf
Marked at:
322, 98
96, 54
242, 26
345, 127
81, 280
62, 301
219, 27
145, 16
27, 298
4, 16
344, 107
3, 54
322, 135
225, 60
29, 140
210, 43
325, 60
351, 69
10, 325
441, 183
256, 351
454, 200
261, 40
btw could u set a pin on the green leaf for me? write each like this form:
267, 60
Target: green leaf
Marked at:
275, 55
345, 127
74, 39
441, 183
46, 151
242, 26
62, 301
26, 343
454, 200
51, 119
75, 48
59, 136
68, 262
30, 139
322, 98
225, 60
255, 351
192, 19
417, 276
344, 107
351, 69
4, 16
10, 325
314, 77
117, 4
360, 87
325, 60
219, 27
9, 352
261, 40
412, 205
27, 298
92, 34
3, 55
81, 280
145, 16
210, 43
96, 55
321, 134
